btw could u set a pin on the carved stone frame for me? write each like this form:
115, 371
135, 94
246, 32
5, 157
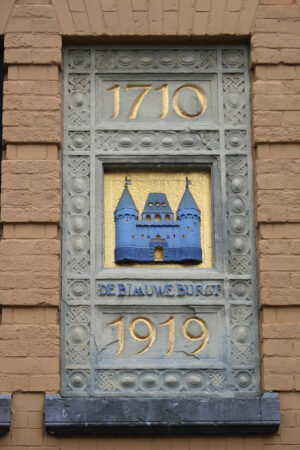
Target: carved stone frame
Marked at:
227, 150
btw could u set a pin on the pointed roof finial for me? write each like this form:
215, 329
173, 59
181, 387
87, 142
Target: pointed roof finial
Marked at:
187, 182
127, 182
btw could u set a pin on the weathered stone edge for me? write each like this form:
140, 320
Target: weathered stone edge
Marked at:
161, 416
5, 404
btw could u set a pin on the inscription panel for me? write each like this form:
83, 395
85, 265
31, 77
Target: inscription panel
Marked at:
142, 336
165, 119
143, 100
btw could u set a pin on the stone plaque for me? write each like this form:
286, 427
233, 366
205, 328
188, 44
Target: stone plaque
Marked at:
159, 295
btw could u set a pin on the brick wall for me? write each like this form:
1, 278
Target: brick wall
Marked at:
31, 192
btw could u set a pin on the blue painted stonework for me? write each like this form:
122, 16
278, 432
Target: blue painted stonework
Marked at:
157, 236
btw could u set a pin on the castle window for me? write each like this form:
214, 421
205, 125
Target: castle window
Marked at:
157, 204
150, 204
187, 228
142, 236
133, 236
167, 217
126, 220
164, 204
157, 217
148, 218
174, 236
183, 236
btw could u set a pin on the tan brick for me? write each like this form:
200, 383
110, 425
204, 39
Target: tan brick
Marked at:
27, 436
203, 5
51, 231
234, 5
46, 383
280, 263
200, 22
40, 87
19, 419
288, 418
281, 331
77, 5
11, 365
281, 365
279, 297
276, 382
33, 72
275, 214
295, 280
125, 17
81, 22
141, 5
290, 435
8, 231
269, 315
275, 279
11, 383
28, 402
290, 401
296, 349
141, 23
31, 102
277, 347
29, 230
35, 419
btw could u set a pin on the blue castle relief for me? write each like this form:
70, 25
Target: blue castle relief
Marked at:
157, 237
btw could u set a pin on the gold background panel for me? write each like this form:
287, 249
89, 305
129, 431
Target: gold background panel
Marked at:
173, 185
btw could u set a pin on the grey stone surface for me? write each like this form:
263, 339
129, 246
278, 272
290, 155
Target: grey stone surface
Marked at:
146, 416
219, 142
5, 405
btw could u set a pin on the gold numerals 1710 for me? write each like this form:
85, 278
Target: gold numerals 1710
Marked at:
150, 336
164, 91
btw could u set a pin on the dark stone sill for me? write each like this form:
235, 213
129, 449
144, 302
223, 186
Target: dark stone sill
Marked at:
5, 403
162, 416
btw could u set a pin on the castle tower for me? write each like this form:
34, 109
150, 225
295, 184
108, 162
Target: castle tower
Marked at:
126, 218
188, 216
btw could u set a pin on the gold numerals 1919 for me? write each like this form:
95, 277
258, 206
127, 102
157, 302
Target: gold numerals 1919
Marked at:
149, 337
164, 91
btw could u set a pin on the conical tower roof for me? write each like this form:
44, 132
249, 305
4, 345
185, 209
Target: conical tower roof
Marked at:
187, 201
126, 201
